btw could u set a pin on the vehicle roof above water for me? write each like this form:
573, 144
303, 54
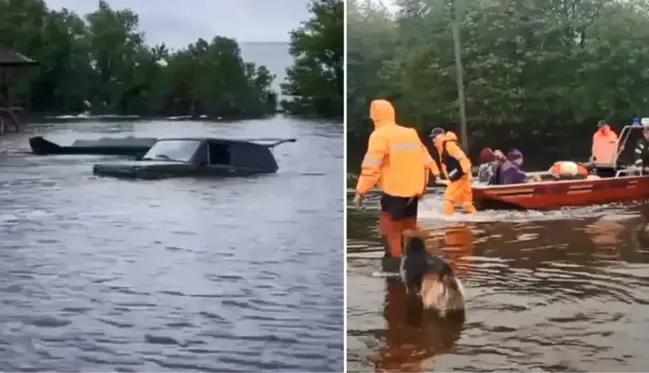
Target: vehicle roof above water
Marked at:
265, 142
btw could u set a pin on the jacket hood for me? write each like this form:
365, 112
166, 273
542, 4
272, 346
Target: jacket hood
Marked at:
451, 136
514, 154
382, 113
448, 136
487, 155
604, 129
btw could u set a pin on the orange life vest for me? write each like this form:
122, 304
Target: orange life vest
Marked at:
567, 169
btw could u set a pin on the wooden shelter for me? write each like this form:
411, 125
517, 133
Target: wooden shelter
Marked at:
9, 109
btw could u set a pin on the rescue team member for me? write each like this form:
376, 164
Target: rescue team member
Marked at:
456, 167
568, 170
641, 151
604, 150
398, 162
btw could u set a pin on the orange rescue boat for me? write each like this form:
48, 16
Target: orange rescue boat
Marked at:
628, 184
546, 195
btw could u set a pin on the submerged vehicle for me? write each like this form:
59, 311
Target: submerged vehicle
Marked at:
125, 146
623, 185
198, 157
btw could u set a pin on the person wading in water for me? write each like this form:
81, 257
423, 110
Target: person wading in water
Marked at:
397, 162
457, 169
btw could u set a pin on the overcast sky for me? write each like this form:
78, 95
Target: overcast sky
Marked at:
180, 22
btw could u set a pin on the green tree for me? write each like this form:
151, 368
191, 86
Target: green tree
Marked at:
315, 83
101, 62
546, 70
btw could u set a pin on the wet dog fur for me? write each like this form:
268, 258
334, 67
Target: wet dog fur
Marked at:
430, 277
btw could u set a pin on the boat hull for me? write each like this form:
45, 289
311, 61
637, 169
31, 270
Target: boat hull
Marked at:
556, 194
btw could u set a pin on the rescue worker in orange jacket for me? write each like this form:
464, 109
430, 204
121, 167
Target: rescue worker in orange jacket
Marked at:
456, 166
604, 150
399, 163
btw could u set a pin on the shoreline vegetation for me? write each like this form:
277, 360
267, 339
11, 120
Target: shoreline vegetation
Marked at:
100, 64
536, 74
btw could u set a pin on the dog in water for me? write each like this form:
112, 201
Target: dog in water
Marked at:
430, 277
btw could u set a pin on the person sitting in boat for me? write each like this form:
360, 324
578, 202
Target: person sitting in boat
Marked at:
568, 170
510, 172
490, 160
487, 167
641, 150
500, 157
604, 150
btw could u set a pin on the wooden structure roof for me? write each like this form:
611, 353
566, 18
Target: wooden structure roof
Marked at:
10, 58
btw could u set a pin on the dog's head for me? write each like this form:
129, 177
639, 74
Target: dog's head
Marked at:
415, 242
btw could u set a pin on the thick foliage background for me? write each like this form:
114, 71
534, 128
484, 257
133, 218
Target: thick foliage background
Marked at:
541, 70
102, 58
101, 62
316, 81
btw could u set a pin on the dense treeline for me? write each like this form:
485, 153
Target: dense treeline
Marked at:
544, 69
100, 62
316, 80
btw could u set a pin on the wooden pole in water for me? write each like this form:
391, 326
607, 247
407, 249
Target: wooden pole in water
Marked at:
455, 26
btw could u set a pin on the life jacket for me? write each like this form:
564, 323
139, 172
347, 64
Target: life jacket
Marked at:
451, 163
568, 170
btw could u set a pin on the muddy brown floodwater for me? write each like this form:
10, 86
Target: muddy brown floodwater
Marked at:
558, 291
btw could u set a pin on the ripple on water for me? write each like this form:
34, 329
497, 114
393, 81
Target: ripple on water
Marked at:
561, 292
194, 275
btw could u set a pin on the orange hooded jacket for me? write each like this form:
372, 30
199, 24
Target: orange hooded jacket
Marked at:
446, 144
396, 160
604, 150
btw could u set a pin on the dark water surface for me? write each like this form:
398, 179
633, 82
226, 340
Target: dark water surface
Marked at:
100, 274
557, 291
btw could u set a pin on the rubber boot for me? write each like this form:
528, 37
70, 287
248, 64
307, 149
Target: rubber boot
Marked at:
468, 207
448, 208
389, 262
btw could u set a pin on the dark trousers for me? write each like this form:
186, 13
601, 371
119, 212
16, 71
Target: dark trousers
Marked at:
397, 215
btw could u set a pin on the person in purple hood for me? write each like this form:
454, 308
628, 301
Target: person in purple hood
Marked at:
510, 172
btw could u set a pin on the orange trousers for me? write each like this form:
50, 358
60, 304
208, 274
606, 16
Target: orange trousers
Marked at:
458, 192
393, 231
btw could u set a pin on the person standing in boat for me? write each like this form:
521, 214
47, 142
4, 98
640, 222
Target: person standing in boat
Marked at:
641, 150
604, 150
456, 166
399, 163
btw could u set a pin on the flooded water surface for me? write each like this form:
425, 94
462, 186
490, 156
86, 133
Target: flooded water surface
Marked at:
557, 291
101, 274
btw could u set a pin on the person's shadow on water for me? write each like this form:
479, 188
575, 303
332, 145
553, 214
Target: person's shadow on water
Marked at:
413, 336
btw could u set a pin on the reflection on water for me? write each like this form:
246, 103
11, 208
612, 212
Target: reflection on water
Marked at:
101, 274
562, 292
